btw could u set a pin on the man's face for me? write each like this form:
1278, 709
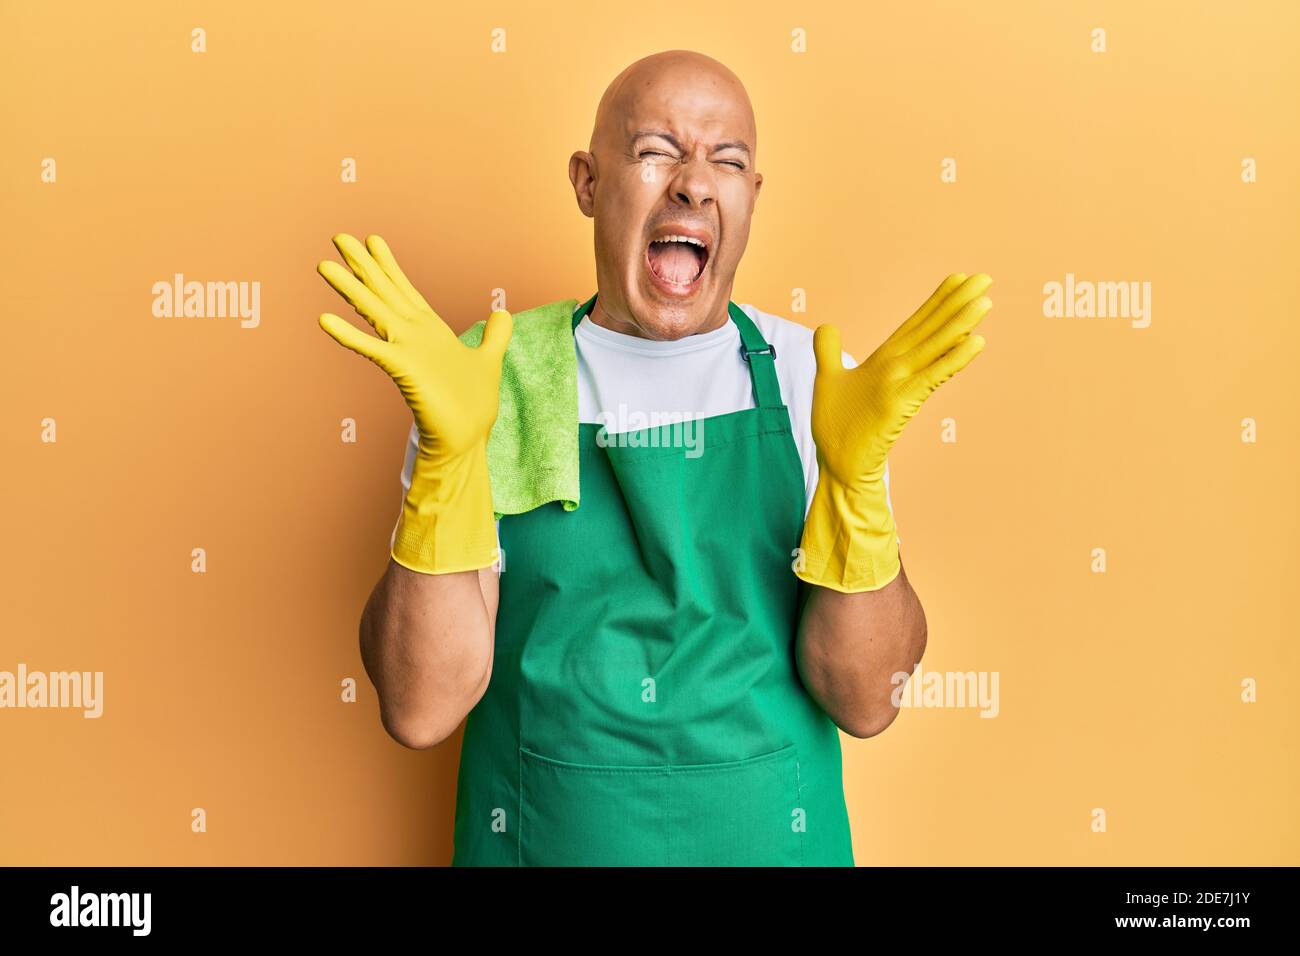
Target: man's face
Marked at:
672, 187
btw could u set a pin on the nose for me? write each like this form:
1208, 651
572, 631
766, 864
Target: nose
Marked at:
692, 184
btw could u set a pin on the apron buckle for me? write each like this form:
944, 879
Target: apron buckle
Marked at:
745, 352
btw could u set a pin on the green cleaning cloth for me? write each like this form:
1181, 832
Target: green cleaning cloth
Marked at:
533, 447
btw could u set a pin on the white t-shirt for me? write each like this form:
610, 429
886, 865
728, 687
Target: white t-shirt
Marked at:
622, 379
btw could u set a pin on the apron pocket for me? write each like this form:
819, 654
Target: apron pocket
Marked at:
741, 813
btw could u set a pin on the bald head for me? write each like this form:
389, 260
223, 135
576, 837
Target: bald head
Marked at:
622, 97
669, 179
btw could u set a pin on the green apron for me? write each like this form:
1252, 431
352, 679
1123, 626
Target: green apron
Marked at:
644, 706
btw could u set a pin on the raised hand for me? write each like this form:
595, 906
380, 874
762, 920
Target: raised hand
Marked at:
858, 413
451, 388
848, 541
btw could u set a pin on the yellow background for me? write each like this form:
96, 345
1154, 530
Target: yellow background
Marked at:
1118, 691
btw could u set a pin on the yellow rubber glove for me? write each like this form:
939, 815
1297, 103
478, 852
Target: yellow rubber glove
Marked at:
849, 543
447, 520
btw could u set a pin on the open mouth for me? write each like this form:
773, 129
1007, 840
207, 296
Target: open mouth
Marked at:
677, 262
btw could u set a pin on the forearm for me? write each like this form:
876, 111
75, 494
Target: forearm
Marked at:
850, 646
863, 622
426, 632
426, 642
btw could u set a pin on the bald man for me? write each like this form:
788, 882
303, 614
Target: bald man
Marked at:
661, 677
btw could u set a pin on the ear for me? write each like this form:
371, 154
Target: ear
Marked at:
582, 173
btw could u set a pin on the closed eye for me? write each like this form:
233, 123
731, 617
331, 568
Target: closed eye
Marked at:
655, 152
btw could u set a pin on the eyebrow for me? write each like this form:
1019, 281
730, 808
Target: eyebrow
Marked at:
664, 134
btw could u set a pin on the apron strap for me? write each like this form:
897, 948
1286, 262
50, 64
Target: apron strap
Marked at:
761, 356
754, 349
583, 310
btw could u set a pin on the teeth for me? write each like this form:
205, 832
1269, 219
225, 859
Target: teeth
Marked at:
693, 241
